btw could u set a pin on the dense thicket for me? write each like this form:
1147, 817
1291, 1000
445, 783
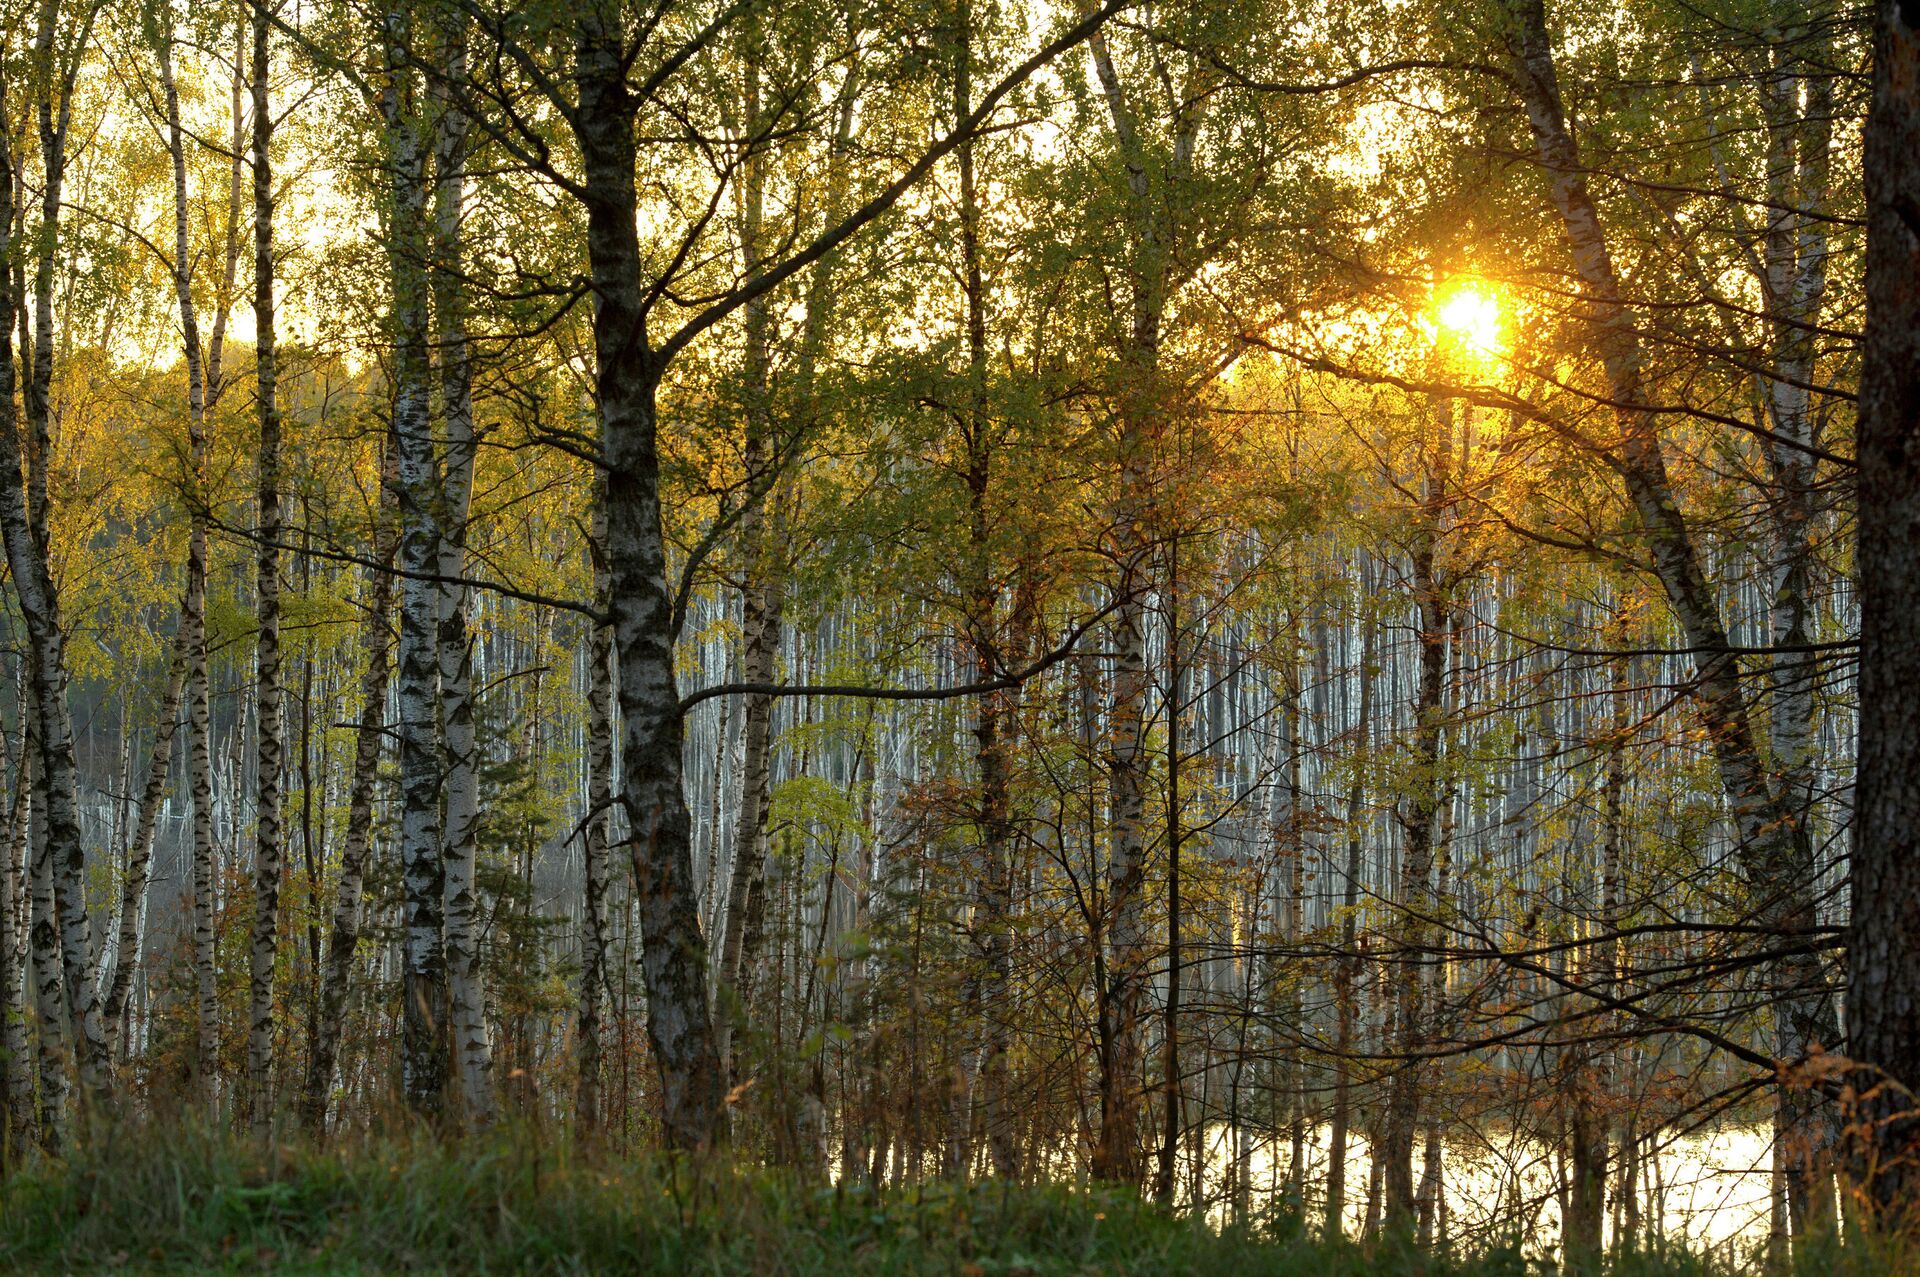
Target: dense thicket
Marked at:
1254, 599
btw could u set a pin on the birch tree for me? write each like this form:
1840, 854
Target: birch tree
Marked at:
466, 997
598, 100
424, 976
269, 834
26, 536
1774, 848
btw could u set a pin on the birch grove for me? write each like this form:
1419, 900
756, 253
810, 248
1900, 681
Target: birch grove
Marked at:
1272, 603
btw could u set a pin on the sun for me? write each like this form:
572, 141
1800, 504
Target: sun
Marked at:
1468, 316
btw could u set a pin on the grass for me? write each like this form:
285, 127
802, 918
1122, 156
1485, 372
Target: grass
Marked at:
193, 1203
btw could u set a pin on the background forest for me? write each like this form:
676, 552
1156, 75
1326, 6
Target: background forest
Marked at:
1260, 600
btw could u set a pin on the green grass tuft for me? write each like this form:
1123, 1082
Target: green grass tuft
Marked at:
505, 1204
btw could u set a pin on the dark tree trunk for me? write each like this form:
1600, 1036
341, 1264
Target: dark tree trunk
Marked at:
268, 851
1883, 1003
1419, 820
627, 377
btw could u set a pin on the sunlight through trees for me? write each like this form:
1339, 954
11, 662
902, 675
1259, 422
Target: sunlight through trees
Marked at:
1292, 605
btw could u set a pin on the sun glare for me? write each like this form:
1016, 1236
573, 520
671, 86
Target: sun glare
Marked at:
1469, 315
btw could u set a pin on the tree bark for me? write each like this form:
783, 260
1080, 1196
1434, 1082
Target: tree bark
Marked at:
860, 1073
993, 897
1155, 190
16, 959
1419, 816
1171, 1091
269, 851
1883, 1002
1794, 286
14, 919
1592, 1065
52, 1030
472, 1051
989, 983
627, 377
1116, 1155
1416, 901
193, 614
593, 943
23, 522
1347, 969
423, 871
761, 599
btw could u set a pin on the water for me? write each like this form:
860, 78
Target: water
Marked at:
1711, 1189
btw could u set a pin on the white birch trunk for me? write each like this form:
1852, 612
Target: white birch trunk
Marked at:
594, 934
424, 977
193, 617
472, 1053
23, 521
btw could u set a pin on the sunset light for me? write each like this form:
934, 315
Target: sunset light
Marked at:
1469, 317
749, 637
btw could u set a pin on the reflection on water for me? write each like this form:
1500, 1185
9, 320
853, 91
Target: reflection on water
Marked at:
1709, 1189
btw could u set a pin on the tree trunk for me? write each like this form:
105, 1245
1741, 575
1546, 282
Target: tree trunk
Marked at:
16, 964
466, 997
627, 375
1430, 1200
1347, 968
1883, 1011
1171, 1093
376, 647
14, 919
424, 967
268, 851
23, 523
51, 1031
1289, 837
860, 1080
1592, 1073
193, 614
1418, 819
133, 890
1794, 287
593, 942
1152, 217
1774, 847
990, 962
1117, 1155
760, 609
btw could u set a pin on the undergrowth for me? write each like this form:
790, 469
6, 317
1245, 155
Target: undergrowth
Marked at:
192, 1203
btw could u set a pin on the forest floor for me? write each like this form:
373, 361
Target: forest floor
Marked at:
185, 1203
